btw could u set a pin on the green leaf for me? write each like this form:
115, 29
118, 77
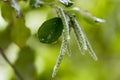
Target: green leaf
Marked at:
50, 30
20, 33
7, 11
5, 38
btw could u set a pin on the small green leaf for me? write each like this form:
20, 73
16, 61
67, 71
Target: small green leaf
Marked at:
7, 11
50, 30
19, 32
5, 38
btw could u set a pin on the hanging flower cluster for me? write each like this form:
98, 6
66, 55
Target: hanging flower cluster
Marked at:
51, 30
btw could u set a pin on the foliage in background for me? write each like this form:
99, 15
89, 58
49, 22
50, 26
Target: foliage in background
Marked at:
35, 60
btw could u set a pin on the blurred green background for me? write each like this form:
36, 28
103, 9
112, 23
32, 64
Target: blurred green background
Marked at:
35, 60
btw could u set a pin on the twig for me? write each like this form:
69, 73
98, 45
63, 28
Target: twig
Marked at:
17, 7
12, 66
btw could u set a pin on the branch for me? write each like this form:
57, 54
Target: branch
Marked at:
17, 7
12, 66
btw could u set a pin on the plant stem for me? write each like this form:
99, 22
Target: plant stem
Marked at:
12, 66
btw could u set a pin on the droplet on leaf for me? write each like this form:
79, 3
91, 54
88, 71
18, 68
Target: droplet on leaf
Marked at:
50, 30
